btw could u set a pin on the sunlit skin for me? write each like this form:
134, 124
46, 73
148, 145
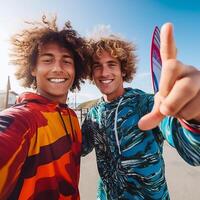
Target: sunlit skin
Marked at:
179, 89
54, 72
107, 75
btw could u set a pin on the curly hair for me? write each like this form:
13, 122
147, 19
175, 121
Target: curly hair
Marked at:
123, 50
27, 44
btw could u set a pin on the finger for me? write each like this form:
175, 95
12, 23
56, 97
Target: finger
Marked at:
167, 43
152, 119
172, 71
183, 91
191, 110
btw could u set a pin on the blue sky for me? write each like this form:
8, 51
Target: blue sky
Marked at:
133, 19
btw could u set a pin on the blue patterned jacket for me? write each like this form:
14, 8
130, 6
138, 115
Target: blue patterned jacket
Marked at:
130, 161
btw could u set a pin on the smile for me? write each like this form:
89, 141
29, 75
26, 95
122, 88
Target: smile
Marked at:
57, 80
106, 81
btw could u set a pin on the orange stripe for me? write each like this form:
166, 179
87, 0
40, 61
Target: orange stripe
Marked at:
49, 170
53, 131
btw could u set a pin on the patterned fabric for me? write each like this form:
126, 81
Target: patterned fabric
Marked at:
135, 169
39, 150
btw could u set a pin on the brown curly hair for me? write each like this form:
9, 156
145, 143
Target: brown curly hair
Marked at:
123, 50
26, 46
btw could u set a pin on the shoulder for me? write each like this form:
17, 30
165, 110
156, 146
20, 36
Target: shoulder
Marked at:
136, 95
137, 92
137, 101
28, 112
74, 116
17, 110
96, 109
72, 112
18, 117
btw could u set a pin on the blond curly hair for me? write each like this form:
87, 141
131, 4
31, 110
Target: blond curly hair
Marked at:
27, 43
123, 50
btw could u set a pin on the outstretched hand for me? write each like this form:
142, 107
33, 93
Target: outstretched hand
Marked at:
179, 88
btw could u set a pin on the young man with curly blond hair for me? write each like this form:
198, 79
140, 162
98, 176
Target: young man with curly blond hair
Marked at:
127, 133
40, 137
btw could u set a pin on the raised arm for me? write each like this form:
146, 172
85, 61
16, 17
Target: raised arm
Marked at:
14, 145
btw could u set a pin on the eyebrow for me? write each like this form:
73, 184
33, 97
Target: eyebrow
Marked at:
109, 62
46, 54
51, 55
112, 61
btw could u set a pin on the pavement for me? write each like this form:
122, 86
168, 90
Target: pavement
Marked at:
183, 180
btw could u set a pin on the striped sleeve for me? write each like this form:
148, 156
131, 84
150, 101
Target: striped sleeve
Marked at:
186, 141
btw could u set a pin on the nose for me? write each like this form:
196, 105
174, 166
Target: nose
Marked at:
104, 71
57, 66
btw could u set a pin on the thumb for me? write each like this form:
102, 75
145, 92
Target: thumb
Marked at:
152, 119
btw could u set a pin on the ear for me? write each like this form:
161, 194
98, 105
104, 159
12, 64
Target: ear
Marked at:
123, 74
33, 72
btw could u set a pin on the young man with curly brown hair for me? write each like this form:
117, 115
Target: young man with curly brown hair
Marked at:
40, 137
128, 141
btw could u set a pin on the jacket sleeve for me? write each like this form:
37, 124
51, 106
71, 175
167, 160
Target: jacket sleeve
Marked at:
14, 145
87, 135
185, 140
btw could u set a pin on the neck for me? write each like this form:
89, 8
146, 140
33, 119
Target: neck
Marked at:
109, 98
57, 99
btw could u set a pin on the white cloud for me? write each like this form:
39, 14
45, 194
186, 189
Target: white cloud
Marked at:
101, 30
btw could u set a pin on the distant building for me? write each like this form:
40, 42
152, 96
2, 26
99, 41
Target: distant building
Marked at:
11, 99
83, 108
88, 104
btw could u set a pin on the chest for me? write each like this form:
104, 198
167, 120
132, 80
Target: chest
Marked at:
117, 131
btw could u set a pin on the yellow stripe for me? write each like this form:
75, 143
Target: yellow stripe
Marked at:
51, 132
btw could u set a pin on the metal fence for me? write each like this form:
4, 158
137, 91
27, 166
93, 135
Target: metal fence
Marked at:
81, 113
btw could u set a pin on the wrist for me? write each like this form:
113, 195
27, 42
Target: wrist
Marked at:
192, 123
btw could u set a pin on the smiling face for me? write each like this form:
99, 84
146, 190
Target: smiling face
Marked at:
107, 75
54, 72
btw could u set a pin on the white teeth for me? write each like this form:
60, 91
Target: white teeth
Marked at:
106, 81
56, 80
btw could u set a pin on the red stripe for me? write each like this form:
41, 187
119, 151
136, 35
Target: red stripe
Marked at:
188, 127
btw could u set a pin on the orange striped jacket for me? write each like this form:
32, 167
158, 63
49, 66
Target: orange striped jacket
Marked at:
40, 144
